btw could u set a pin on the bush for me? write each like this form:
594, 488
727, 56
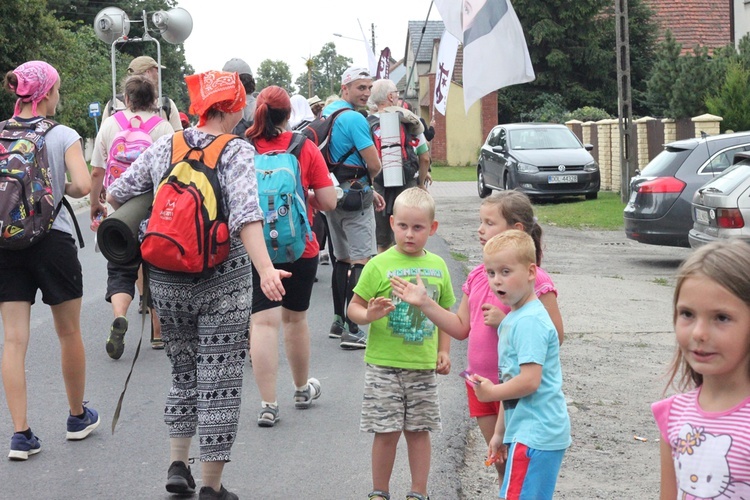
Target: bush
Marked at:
732, 100
588, 114
550, 109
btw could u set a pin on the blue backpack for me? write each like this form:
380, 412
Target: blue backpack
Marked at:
282, 198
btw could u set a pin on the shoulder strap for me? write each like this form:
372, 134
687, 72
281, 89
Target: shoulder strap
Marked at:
209, 155
122, 120
152, 122
66, 203
295, 144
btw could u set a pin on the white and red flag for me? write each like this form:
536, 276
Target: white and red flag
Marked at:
495, 51
444, 72
384, 64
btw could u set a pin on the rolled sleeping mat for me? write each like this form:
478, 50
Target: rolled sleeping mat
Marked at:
117, 235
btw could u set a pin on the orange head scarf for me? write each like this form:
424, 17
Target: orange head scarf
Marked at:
214, 89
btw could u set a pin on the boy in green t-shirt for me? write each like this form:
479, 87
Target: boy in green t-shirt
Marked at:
404, 348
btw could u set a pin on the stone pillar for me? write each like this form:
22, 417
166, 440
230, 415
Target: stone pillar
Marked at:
641, 125
616, 172
586, 131
605, 153
670, 130
710, 124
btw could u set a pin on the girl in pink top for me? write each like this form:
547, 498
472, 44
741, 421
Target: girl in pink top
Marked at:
480, 312
705, 445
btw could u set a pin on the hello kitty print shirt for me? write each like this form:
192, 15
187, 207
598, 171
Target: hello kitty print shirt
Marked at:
711, 450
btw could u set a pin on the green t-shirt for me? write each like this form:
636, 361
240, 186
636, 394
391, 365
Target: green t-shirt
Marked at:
405, 338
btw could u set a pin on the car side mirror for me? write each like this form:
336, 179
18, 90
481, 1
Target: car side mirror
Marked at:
588, 147
498, 149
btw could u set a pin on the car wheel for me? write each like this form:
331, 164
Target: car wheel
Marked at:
506, 182
592, 196
482, 190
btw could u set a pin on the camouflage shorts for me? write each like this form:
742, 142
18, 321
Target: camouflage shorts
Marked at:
398, 399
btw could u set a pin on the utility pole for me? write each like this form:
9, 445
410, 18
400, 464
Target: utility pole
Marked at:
624, 108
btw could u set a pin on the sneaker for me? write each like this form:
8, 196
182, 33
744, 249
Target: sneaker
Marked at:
179, 479
21, 446
115, 341
79, 428
353, 340
208, 493
337, 329
303, 399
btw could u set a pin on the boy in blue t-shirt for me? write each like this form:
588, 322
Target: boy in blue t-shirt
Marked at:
404, 348
535, 432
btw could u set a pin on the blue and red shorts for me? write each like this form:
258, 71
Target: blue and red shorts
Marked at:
530, 474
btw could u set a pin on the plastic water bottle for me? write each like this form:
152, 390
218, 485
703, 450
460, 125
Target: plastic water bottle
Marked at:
98, 218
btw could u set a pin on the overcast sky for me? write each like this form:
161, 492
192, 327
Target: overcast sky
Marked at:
292, 30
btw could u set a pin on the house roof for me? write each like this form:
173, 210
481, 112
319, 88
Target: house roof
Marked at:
694, 22
433, 29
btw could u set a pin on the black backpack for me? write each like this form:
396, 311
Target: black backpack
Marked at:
319, 132
27, 207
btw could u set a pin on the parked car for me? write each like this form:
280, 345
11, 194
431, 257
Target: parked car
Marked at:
540, 159
660, 199
722, 205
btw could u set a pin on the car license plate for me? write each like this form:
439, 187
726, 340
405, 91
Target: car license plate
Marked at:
562, 179
701, 216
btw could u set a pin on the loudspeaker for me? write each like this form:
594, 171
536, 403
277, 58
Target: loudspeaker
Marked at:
175, 25
112, 23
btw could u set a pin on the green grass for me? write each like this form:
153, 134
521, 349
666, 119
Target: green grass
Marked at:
575, 212
459, 257
445, 173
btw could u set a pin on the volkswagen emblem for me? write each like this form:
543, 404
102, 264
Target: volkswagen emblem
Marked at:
561, 168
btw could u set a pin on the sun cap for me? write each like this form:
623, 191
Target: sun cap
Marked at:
312, 101
141, 64
355, 73
237, 65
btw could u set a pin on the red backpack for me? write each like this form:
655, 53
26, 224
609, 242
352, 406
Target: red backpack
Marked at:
187, 231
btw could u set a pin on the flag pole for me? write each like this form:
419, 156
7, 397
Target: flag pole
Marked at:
419, 46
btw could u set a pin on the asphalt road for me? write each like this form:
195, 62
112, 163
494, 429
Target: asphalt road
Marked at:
317, 454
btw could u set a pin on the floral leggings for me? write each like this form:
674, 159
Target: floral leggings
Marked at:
204, 325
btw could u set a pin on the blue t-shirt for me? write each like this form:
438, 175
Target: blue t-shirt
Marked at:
350, 129
539, 420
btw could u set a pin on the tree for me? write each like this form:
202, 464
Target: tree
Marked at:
274, 73
572, 49
83, 12
732, 100
326, 72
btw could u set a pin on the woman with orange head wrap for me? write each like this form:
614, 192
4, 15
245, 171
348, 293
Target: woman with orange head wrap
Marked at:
207, 368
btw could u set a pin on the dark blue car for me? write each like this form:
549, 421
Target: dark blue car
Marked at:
659, 205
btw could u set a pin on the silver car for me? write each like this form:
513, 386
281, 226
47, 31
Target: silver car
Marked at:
721, 207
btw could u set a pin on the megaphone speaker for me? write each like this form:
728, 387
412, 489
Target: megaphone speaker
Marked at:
112, 23
175, 24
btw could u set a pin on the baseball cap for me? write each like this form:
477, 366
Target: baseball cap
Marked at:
236, 65
355, 73
312, 101
141, 64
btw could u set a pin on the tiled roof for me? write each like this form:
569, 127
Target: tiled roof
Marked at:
433, 29
694, 22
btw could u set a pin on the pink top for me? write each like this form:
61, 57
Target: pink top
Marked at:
711, 450
482, 349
